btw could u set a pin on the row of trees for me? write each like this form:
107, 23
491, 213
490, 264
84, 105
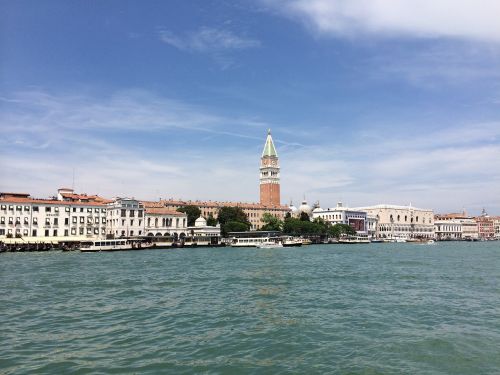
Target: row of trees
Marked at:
234, 219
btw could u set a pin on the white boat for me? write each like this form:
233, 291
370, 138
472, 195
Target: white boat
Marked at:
353, 239
270, 245
113, 245
291, 242
249, 242
431, 242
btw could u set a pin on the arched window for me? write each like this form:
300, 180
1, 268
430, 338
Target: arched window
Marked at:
156, 222
399, 218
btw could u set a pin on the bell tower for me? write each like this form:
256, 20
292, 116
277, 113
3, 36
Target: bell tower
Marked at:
269, 174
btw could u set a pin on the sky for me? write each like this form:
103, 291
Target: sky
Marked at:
369, 101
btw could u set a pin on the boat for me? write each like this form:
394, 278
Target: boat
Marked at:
113, 245
270, 245
376, 240
291, 242
304, 241
431, 242
249, 242
353, 239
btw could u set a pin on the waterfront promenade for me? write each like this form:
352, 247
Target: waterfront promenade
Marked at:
376, 309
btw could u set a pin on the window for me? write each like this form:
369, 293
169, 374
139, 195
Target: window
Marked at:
56, 209
139, 213
2, 220
11, 208
140, 232
56, 221
103, 210
19, 208
47, 221
82, 220
35, 208
89, 230
89, 220
124, 213
46, 232
47, 209
96, 231
25, 232
66, 221
55, 232
132, 213
18, 221
132, 222
3, 207
66, 233
74, 209
73, 231
11, 220
123, 223
131, 232
96, 210
81, 230
103, 231
81, 209
26, 208
67, 209
33, 233
89, 210
26, 220
74, 219
35, 220
140, 222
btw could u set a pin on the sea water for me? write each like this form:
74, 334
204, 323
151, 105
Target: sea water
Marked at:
329, 309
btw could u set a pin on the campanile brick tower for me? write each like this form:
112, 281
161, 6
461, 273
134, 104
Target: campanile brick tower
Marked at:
269, 174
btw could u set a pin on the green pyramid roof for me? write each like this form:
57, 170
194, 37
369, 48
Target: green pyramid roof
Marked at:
269, 149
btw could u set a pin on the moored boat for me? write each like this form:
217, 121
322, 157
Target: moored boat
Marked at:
113, 245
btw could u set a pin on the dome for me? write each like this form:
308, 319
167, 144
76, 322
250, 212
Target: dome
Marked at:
200, 222
304, 207
293, 209
318, 209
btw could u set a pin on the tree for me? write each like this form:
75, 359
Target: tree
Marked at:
338, 230
271, 222
304, 216
192, 212
229, 216
211, 221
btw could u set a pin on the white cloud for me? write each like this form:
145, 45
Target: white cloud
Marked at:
139, 144
463, 19
208, 40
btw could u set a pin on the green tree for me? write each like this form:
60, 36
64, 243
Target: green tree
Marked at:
338, 230
304, 216
211, 221
192, 212
271, 222
228, 216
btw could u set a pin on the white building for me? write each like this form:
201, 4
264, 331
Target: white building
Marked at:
402, 221
161, 221
203, 233
50, 220
125, 218
357, 219
455, 227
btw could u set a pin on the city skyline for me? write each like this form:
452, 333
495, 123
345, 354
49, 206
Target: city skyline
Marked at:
175, 101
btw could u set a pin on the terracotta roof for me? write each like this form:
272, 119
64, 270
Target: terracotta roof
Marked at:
85, 197
56, 202
163, 211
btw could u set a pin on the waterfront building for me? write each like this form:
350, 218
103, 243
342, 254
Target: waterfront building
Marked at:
51, 220
372, 225
496, 226
161, 221
455, 226
125, 218
269, 174
355, 218
203, 233
401, 221
485, 226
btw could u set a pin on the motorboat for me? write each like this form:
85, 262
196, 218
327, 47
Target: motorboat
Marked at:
113, 245
291, 242
270, 245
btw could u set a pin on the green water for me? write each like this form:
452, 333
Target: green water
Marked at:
341, 309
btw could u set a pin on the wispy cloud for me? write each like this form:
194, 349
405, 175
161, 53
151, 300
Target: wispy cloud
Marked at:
141, 144
207, 40
466, 19
217, 43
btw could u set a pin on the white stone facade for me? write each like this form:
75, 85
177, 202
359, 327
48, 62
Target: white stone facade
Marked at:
357, 219
160, 221
39, 220
402, 221
125, 218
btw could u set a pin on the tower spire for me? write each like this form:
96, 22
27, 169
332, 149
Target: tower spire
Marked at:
269, 173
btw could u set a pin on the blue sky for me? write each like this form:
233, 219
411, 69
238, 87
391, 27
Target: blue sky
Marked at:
369, 101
